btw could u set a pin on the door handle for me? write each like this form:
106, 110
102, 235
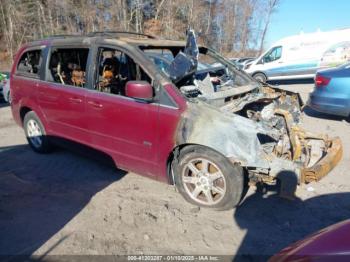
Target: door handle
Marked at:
95, 104
75, 100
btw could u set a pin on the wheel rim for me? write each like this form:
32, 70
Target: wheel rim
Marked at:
203, 181
34, 133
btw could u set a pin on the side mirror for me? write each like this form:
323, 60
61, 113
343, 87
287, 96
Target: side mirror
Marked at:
139, 90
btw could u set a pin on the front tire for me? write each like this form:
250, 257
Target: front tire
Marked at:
208, 179
35, 133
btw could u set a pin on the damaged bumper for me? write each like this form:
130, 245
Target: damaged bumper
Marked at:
325, 165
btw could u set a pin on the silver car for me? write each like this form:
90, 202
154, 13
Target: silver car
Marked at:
6, 91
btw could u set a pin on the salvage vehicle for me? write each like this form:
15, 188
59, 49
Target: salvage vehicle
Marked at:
208, 131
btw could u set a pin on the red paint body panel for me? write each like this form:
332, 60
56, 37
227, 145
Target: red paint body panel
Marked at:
333, 241
23, 96
64, 109
16, 84
168, 122
139, 136
125, 129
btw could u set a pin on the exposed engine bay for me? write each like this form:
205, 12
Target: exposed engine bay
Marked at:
276, 110
265, 135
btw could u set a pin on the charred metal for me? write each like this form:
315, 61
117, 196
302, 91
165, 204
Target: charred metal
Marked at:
256, 125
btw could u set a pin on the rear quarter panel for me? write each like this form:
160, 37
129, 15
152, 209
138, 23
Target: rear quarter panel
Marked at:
15, 88
23, 91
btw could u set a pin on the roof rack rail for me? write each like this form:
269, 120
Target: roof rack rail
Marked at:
116, 33
60, 36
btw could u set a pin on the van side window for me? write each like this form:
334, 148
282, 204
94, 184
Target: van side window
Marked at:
29, 64
115, 69
67, 66
273, 55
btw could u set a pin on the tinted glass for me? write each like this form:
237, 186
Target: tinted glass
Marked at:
30, 63
68, 66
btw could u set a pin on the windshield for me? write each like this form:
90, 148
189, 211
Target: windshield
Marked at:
209, 63
163, 60
208, 77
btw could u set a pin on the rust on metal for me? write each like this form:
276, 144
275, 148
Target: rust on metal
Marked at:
293, 132
325, 165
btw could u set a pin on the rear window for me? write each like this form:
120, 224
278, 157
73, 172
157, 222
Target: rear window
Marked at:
29, 64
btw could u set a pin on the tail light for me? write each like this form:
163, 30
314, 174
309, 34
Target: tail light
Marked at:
321, 80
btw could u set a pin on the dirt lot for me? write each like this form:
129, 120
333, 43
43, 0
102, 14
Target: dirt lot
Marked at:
66, 203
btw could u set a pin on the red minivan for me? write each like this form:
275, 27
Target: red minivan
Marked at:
170, 110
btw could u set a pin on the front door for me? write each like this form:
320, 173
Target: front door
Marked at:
273, 64
125, 128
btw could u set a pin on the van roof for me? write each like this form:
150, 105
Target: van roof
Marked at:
126, 37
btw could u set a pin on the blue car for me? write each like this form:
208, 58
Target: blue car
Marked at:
331, 94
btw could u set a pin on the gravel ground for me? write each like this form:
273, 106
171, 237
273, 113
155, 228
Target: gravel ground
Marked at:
67, 203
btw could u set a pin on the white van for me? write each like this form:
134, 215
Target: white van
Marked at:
300, 56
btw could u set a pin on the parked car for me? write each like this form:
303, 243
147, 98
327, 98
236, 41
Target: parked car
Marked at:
241, 62
205, 131
300, 56
6, 91
329, 244
4, 76
331, 94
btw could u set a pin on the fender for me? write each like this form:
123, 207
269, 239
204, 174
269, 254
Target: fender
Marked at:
231, 135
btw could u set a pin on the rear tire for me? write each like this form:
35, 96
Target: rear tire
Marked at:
260, 77
36, 134
206, 178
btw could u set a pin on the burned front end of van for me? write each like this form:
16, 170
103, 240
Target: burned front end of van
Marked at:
253, 124
260, 130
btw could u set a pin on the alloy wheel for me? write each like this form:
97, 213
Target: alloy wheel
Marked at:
204, 181
34, 133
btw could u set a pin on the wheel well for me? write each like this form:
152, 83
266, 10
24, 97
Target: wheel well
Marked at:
174, 155
23, 111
